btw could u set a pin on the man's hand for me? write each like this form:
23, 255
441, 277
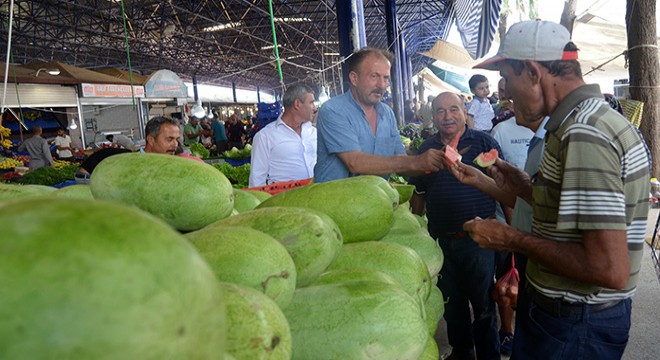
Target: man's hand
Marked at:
467, 174
511, 179
491, 234
431, 160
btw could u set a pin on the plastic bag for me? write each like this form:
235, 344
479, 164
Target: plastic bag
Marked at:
505, 291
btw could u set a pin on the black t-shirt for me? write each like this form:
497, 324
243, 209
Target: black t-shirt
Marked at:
90, 163
235, 131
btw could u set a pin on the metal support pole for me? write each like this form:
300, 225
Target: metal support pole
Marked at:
196, 94
350, 31
258, 95
233, 90
392, 35
401, 59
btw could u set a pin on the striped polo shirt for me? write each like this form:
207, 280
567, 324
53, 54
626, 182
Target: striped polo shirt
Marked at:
594, 176
448, 202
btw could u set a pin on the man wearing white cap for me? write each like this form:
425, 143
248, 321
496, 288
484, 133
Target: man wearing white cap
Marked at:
589, 199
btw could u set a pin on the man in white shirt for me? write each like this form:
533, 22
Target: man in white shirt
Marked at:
285, 149
63, 143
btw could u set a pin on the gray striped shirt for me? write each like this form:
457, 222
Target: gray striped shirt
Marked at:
594, 176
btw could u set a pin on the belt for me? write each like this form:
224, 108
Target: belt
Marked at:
455, 235
561, 308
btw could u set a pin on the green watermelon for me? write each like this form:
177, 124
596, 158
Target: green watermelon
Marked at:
248, 257
358, 320
261, 195
12, 191
363, 211
435, 309
402, 263
340, 276
312, 239
244, 201
431, 351
79, 191
258, 328
186, 194
486, 159
405, 192
423, 244
85, 279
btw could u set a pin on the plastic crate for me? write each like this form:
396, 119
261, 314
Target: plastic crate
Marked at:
278, 187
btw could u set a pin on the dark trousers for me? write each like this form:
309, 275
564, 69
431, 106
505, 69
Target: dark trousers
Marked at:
601, 335
466, 279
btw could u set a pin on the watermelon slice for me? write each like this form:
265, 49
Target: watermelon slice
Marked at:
452, 155
486, 159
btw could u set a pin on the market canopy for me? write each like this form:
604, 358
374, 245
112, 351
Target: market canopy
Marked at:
456, 80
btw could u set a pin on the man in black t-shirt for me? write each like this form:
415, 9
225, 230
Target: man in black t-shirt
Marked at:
87, 166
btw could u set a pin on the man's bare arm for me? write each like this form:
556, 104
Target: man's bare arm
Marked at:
362, 163
600, 259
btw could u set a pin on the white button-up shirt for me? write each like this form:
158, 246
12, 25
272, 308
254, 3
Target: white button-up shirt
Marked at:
279, 154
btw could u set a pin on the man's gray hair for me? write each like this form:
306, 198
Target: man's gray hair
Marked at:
153, 126
294, 92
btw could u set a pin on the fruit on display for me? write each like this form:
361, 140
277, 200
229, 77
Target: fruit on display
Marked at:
380, 183
486, 159
278, 281
248, 257
79, 191
398, 261
431, 351
312, 239
258, 328
261, 195
362, 210
11, 191
435, 309
9, 163
186, 194
405, 191
356, 320
244, 201
407, 231
341, 276
94, 280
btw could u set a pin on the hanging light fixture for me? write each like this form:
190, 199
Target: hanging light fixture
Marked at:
73, 125
197, 111
51, 71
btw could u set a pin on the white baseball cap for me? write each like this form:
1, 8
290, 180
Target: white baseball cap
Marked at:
532, 40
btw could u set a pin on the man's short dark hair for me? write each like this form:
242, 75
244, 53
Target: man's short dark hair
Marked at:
294, 92
476, 80
555, 68
153, 126
109, 137
355, 60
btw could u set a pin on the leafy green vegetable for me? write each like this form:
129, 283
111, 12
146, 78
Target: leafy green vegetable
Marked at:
49, 175
237, 175
398, 179
199, 150
234, 153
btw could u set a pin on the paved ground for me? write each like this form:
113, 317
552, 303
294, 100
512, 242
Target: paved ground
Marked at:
644, 341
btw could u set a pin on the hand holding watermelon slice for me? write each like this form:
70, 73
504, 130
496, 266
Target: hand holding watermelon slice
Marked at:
486, 159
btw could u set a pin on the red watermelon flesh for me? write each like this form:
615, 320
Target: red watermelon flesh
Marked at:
452, 155
486, 159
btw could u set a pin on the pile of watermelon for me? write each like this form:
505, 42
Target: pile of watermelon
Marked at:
159, 257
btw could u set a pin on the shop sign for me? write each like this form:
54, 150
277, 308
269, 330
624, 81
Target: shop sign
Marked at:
115, 91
